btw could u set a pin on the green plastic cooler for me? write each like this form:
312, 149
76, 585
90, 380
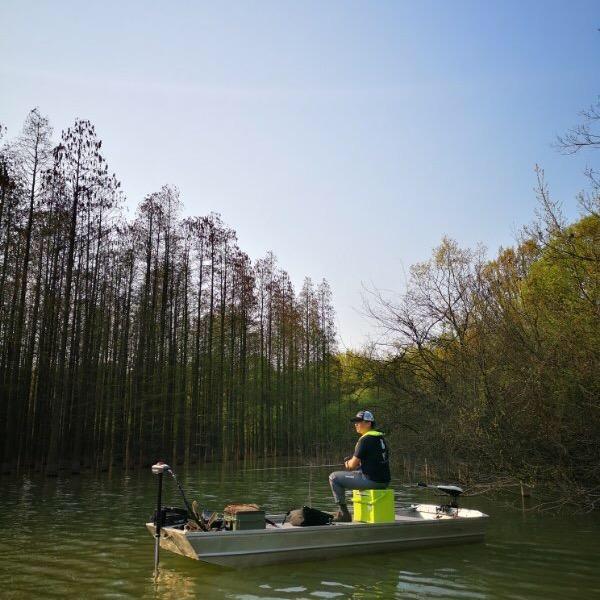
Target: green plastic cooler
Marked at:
374, 506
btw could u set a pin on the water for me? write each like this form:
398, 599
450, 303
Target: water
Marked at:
84, 537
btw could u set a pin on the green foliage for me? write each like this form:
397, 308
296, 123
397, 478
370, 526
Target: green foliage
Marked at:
497, 363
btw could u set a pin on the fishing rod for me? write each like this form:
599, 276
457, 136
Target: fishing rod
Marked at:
300, 467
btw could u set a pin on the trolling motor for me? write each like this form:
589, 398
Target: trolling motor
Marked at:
158, 469
168, 515
452, 490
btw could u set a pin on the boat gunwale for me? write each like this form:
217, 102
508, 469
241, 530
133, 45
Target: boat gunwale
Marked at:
338, 526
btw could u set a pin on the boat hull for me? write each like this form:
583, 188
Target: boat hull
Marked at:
295, 544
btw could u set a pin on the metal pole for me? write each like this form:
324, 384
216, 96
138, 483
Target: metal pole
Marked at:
158, 469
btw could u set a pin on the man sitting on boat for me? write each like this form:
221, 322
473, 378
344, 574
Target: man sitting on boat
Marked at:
367, 469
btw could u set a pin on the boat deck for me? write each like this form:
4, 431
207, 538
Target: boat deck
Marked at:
398, 518
413, 514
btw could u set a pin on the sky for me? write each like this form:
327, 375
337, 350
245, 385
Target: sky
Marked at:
346, 137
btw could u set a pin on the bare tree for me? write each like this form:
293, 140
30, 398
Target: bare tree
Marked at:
584, 135
32, 154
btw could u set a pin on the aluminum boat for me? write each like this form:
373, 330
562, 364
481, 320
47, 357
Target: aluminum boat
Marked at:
416, 526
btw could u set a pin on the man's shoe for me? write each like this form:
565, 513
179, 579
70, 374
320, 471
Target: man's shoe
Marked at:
342, 515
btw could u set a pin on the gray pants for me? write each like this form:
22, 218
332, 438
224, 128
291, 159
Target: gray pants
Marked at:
340, 481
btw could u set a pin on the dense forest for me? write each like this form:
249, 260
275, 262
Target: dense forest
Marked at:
491, 367
123, 341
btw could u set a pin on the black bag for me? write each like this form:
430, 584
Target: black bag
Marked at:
172, 516
308, 517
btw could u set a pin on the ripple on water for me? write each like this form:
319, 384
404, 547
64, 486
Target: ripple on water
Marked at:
85, 538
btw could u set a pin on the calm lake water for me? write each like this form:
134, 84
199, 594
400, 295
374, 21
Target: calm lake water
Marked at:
84, 537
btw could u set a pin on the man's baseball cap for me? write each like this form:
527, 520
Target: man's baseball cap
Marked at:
363, 415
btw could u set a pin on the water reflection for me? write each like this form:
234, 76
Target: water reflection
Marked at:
84, 537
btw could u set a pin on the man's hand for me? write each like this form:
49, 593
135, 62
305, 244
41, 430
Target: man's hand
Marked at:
352, 463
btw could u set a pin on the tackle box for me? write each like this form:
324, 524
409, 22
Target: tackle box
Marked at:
242, 517
374, 506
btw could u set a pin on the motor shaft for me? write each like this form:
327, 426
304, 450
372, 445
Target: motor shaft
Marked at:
158, 469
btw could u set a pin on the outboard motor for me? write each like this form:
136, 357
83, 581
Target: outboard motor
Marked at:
452, 490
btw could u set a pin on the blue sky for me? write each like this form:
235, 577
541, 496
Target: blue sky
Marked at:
347, 137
